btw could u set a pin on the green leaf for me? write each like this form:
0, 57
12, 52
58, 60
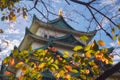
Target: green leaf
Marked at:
84, 38
19, 65
55, 66
6, 60
83, 77
77, 48
118, 26
15, 52
113, 30
95, 47
87, 47
51, 61
114, 37
74, 71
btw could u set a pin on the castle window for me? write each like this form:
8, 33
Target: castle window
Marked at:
45, 36
51, 37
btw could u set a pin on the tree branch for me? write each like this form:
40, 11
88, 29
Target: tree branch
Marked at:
98, 22
103, 15
109, 72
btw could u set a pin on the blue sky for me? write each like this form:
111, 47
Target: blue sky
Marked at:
14, 31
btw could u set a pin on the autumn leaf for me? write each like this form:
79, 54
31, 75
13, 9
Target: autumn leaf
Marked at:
7, 73
24, 14
12, 62
1, 31
118, 26
57, 75
77, 48
13, 18
68, 76
119, 40
55, 66
19, 65
101, 43
41, 65
15, 52
84, 38
113, 30
114, 37
74, 71
87, 71
66, 54
94, 46
6, 60
88, 54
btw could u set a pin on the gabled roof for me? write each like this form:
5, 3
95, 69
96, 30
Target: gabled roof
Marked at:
60, 22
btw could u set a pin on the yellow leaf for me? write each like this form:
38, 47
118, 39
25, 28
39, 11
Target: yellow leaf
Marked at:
114, 37
6, 60
74, 71
42, 65
66, 54
68, 76
56, 61
88, 54
52, 69
19, 65
57, 75
101, 43
13, 18
84, 38
77, 48
62, 72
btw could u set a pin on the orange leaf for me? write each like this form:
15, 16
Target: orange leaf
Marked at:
12, 62
101, 43
87, 71
119, 40
21, 63
7, 73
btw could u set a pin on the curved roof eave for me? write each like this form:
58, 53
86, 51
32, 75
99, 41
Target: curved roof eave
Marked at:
90, 33
47, 40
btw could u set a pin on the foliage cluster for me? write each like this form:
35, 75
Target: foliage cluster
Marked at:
85, 63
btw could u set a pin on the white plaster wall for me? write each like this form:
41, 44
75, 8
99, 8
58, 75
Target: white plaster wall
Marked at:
42, 31
36, 45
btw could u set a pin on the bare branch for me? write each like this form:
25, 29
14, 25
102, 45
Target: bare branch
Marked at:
41, 13
98, 22
103, 15
67, 2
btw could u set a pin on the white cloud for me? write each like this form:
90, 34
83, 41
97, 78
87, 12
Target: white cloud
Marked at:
57, 1
13, 31
108, 2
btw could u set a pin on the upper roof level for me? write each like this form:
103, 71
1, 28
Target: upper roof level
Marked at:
61, 23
